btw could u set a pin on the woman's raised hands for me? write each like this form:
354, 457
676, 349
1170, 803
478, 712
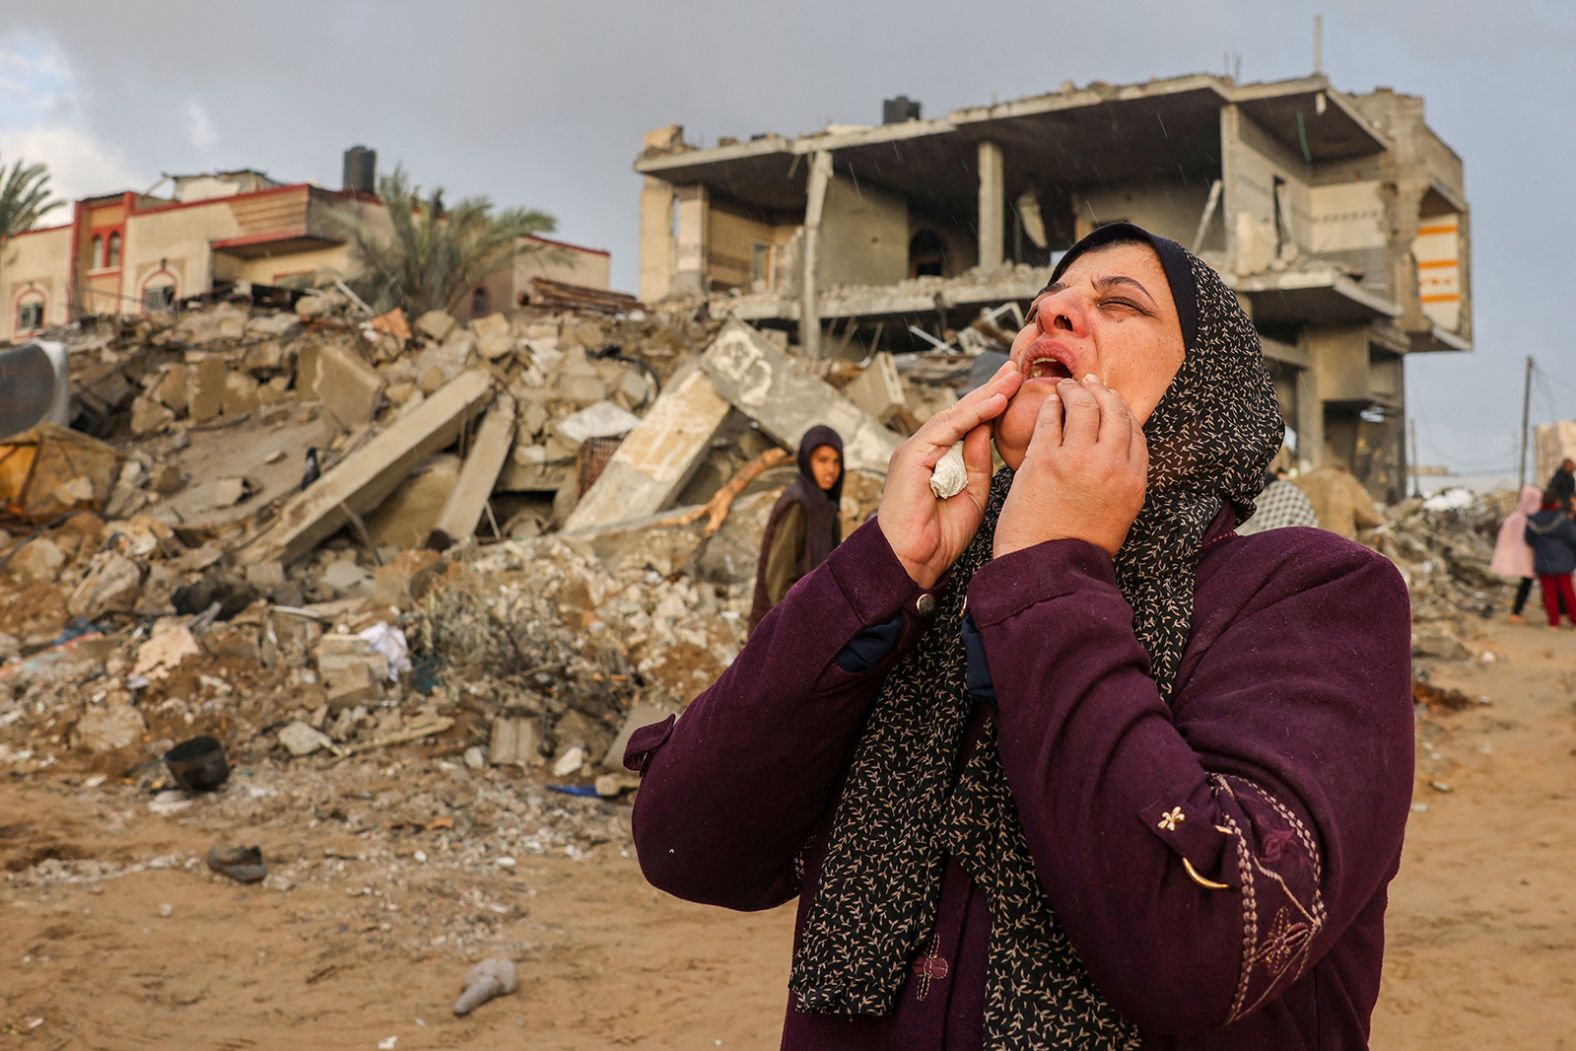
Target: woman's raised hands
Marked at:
925, 533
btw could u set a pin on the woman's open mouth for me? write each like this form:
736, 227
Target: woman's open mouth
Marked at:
1045, 365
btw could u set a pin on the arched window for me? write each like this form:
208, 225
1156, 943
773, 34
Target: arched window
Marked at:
30, 313
481, 302
97, 259
112, 257
158, 293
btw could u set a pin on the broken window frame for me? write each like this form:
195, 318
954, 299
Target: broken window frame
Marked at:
156, 298
30, 310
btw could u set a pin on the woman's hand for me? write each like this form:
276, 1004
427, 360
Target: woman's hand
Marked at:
1083, 475
927, 534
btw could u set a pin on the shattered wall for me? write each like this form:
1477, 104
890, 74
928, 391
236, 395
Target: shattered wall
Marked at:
864, 235
1170, 209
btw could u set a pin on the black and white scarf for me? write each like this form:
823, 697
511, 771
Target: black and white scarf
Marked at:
901, 813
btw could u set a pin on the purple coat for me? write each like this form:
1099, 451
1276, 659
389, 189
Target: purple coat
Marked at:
1280, 775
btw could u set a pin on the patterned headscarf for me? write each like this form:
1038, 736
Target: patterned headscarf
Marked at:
900, 813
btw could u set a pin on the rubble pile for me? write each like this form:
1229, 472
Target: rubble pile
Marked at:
1443, 555
333, 541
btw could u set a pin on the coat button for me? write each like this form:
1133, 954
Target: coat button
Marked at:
925, 605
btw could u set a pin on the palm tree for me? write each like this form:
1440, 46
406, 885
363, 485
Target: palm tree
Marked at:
430, 256
24, 197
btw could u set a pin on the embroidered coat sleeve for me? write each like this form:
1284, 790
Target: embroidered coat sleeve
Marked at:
732, 790
1203, 854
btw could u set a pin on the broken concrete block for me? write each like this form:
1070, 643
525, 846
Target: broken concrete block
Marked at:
306, 370
570, 762
494, 339
436, 325
149, 416
240, 394
363, 479
350, 388
489, 450
39, 559
171, 388
655, 460
776, 392
309, 307
515, 740
350, 669
461, 344
113, 582
227, 492
271, 325
112, 728
345, 578
165, 478
878, 390
601, 419
300, 740
206, 387
533, 417
265, 575
171, 643
639, 715
263, 357
436, 366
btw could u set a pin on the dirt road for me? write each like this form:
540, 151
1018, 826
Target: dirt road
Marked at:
113, 934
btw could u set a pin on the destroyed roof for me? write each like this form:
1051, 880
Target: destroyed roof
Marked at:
769, 171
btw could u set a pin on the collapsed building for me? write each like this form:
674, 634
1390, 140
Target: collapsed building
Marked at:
1341, 221
135, 253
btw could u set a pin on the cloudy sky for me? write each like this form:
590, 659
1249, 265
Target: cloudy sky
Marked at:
543, 104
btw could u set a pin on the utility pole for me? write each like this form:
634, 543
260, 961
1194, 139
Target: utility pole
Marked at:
1318, 44
1526, 413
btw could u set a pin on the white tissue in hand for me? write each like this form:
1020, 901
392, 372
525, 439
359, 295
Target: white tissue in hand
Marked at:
950, 476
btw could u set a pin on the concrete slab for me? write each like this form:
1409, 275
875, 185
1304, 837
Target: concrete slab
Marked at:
364, 478
657, 457
490, 448
878, 390
776, 392
349, 387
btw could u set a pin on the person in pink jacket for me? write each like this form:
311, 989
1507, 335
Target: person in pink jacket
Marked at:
1512, 553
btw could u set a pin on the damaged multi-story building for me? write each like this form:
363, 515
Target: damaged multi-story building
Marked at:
131, 253
1341, 221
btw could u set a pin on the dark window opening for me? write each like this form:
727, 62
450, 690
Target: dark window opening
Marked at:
927, 256
30, 316
112, 257
481, 302
759, 262
1278, 191
158, 297
97, 258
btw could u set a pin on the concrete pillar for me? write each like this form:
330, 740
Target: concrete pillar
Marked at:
1310, 421
992, 214
689, 270
656, 239
1230, 138
809, 303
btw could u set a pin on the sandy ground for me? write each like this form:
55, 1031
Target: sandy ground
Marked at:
1482, 932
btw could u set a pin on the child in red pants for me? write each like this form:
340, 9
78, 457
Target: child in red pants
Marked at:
1552, 535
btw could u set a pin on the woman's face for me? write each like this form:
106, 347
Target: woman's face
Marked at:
826, 464
1110, 313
